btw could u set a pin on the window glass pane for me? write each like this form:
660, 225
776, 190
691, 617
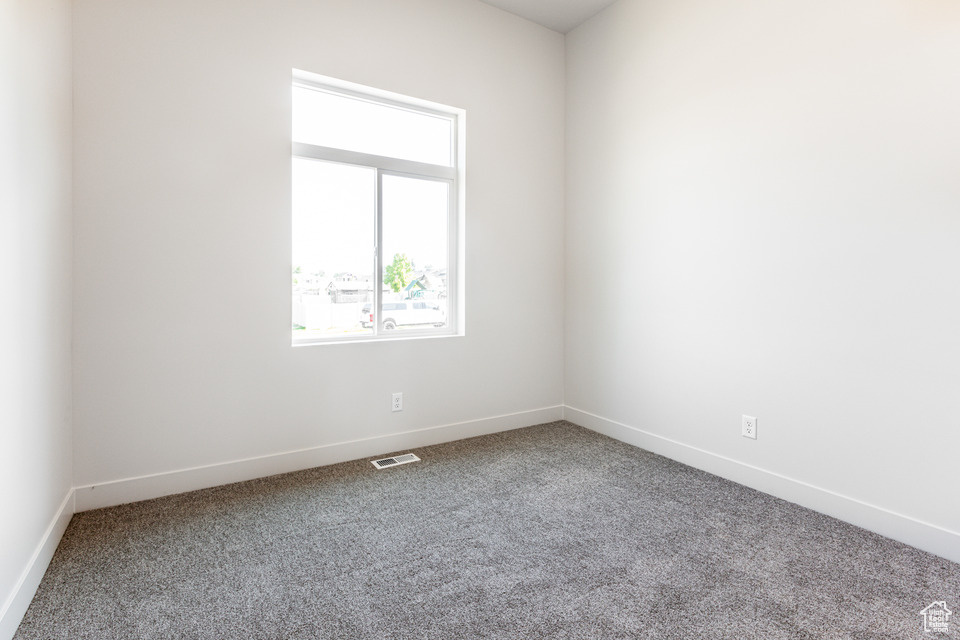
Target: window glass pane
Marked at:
343, 122
415, 256
333, 262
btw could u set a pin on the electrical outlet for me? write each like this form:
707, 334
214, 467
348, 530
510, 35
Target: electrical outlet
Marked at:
748, 427
397, 402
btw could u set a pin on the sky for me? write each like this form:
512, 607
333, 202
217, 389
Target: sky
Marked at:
342, 122
334, 205
334, 214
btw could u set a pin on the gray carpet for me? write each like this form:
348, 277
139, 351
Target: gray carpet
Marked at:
546, 532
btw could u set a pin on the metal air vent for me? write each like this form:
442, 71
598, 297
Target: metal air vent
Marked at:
383, 463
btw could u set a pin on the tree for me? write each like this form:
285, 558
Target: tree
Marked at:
398, 273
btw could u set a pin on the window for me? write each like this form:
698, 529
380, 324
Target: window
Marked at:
377, 214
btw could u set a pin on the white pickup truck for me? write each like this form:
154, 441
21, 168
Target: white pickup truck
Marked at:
406, 313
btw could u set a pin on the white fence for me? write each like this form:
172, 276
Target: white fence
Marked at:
319, 312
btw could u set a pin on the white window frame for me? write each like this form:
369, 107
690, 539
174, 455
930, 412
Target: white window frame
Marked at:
385, 165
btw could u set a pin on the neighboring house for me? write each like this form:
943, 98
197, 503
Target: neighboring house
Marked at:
350, 289
427, 285
430, 285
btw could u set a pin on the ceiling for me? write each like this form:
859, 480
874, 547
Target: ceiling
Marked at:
559, 15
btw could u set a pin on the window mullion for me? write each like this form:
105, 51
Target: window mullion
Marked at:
305, 150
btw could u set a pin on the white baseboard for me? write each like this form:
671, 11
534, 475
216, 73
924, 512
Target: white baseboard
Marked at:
162, 484
19, 599
916, 533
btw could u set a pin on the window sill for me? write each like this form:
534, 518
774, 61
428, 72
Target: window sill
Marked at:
370, 339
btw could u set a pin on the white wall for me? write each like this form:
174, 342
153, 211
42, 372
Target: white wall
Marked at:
35, 251
182, 195
764, 218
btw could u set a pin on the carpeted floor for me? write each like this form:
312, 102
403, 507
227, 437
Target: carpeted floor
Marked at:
546, 532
